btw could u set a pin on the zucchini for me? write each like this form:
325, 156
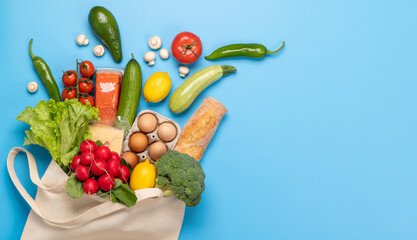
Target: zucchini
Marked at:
186, 93
130, 93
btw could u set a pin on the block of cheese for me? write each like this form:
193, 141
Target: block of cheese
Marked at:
108, 135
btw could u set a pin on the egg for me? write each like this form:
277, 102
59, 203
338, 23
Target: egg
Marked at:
147, 122
138, 142
156, 150
131, 158
167, 131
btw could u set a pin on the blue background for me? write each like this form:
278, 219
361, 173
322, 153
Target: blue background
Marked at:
319, 141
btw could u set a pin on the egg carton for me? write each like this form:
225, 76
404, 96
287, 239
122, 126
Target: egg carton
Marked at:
152, 136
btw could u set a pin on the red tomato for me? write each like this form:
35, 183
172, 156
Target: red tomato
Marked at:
87, 69
186, 47
89, 99
85, 85
69, 93
69, 78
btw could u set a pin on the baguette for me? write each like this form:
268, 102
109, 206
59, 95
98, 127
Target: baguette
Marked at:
200, 128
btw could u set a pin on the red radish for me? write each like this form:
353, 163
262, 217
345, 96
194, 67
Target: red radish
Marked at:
124, 173
103, 152
98, 167
106, 182
82, 172
88, 146
114, 155
75, 162
113, 167
90, 186
87, 158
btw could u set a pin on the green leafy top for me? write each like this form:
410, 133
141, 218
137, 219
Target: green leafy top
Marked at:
121, 192
60, 127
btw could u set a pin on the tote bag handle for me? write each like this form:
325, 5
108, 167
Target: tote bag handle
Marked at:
95, 212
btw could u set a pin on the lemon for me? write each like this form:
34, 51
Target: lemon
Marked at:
157, 87
143, 176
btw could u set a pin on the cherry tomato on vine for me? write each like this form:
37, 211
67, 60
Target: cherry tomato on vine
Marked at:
85, 85
69, 78
87, 69
186, 47
69, 93
85, 99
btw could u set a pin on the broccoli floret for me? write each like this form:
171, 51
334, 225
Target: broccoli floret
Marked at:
181, 175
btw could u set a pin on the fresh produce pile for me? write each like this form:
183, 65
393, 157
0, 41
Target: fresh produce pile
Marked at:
88, 128
60, 127
79, 88
97, 170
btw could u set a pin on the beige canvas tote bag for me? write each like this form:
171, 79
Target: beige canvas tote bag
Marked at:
55, 215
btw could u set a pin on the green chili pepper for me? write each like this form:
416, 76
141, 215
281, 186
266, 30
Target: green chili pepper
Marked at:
45, 74
252, 50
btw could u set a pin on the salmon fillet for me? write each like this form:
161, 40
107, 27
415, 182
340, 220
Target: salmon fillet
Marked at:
107, 95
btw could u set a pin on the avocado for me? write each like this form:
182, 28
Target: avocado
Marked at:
105, 27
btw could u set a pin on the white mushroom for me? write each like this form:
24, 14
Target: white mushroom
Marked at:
98, 50
82, 40
150, 58
164, 53
155, 42
32, 87
184, 71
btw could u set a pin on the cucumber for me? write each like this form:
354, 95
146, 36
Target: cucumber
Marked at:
105, 27
130, 93
186, 93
